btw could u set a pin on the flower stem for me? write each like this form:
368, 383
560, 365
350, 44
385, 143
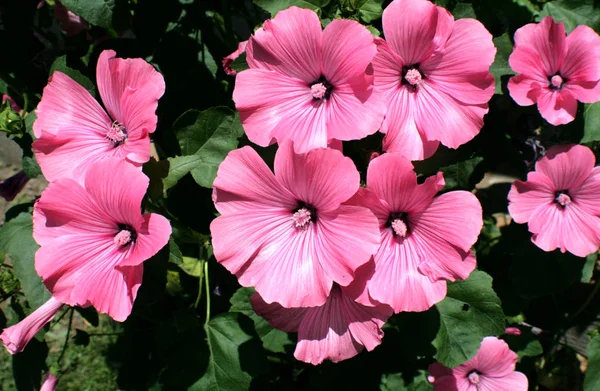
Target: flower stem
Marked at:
64, 348
207, 293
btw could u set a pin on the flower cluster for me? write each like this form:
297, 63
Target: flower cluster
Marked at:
93, 237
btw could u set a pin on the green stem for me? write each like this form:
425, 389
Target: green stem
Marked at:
64, 348
6, 265
200, 281
207, 293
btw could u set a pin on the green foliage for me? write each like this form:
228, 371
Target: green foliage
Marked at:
205, 138
274, 6
60, 65
16, 240
500, 66
470, 312
572, 13
97, 12
592, 375
591, 129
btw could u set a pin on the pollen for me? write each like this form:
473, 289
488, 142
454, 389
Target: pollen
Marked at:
556, 81
413, 77
117, 133
302, 218
563, 199
399, 227
123, 237
474, 377
318, 90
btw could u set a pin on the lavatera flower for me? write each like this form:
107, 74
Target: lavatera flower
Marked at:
555, 70
73, 130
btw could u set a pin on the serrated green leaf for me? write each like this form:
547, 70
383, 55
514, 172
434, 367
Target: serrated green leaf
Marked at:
273, 339
572, 13
591, 118
60, 64
274, 6
226, 333
206, 137
97, 12
500, 65
591, 382
470, 312
16, 240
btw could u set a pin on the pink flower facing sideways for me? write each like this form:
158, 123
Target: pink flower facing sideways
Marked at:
434, 72
555, 70
73, 130
336, 330
16, 337
94, 238
306, 84
425, 239
559, 201
492, 369
289, 234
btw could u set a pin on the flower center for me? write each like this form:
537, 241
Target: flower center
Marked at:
474, 377
304, 215
557, 82
117, 134
399, 224
125, 235
321, 89
411, 76
562, 198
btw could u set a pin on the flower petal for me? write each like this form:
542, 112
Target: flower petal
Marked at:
586, 195
524, 90
583, 46
515, 381
289, 43
557, 107
66, 104
285, 319
540, 49
567, 166
116, 75
348, 49
323, 178
525, 197
151, 237
494, 358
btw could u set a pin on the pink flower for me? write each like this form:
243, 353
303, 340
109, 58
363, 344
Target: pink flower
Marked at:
308, 85
492, 368
512, 331
13, 103
424, 239
11, 187
16, 337
49, 382
555, 71
94, 238
560, 201
69, 22
229, 59
73, 130
336, 330
289, 234
434, 72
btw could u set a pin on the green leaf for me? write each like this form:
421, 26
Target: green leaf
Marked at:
227, 338
240, 63
370, 10
175, 255
31, 167
500, 65
60, 64
463, 10
572, 13
206, 137
591, 118
470, 312
396, 382
274, 6
459, 175
532, 349
192, 266
588, 268
16, 240
97, 12
273, 339
591, 381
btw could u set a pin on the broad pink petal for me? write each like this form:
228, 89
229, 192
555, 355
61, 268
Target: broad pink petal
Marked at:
392, 179
323, 178
525, 197
152, 235
515, 381
415, 29
524, 90
285, 319
397, 280
275, 107
117, 188
346, 240
494, 358
16, 337
586, 195
548, 39
289, 43
462, 70
259, 189
441, 117
287, 268
557, 107
583, 47
348, 49
567, 166
66, 208
116, 75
